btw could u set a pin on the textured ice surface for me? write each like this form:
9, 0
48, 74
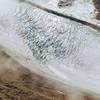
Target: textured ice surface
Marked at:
63, 49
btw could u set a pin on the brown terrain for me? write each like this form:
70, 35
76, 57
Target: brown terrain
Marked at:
97, 6
19, 83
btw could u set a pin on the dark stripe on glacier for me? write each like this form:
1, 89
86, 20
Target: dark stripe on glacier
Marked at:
62, 15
